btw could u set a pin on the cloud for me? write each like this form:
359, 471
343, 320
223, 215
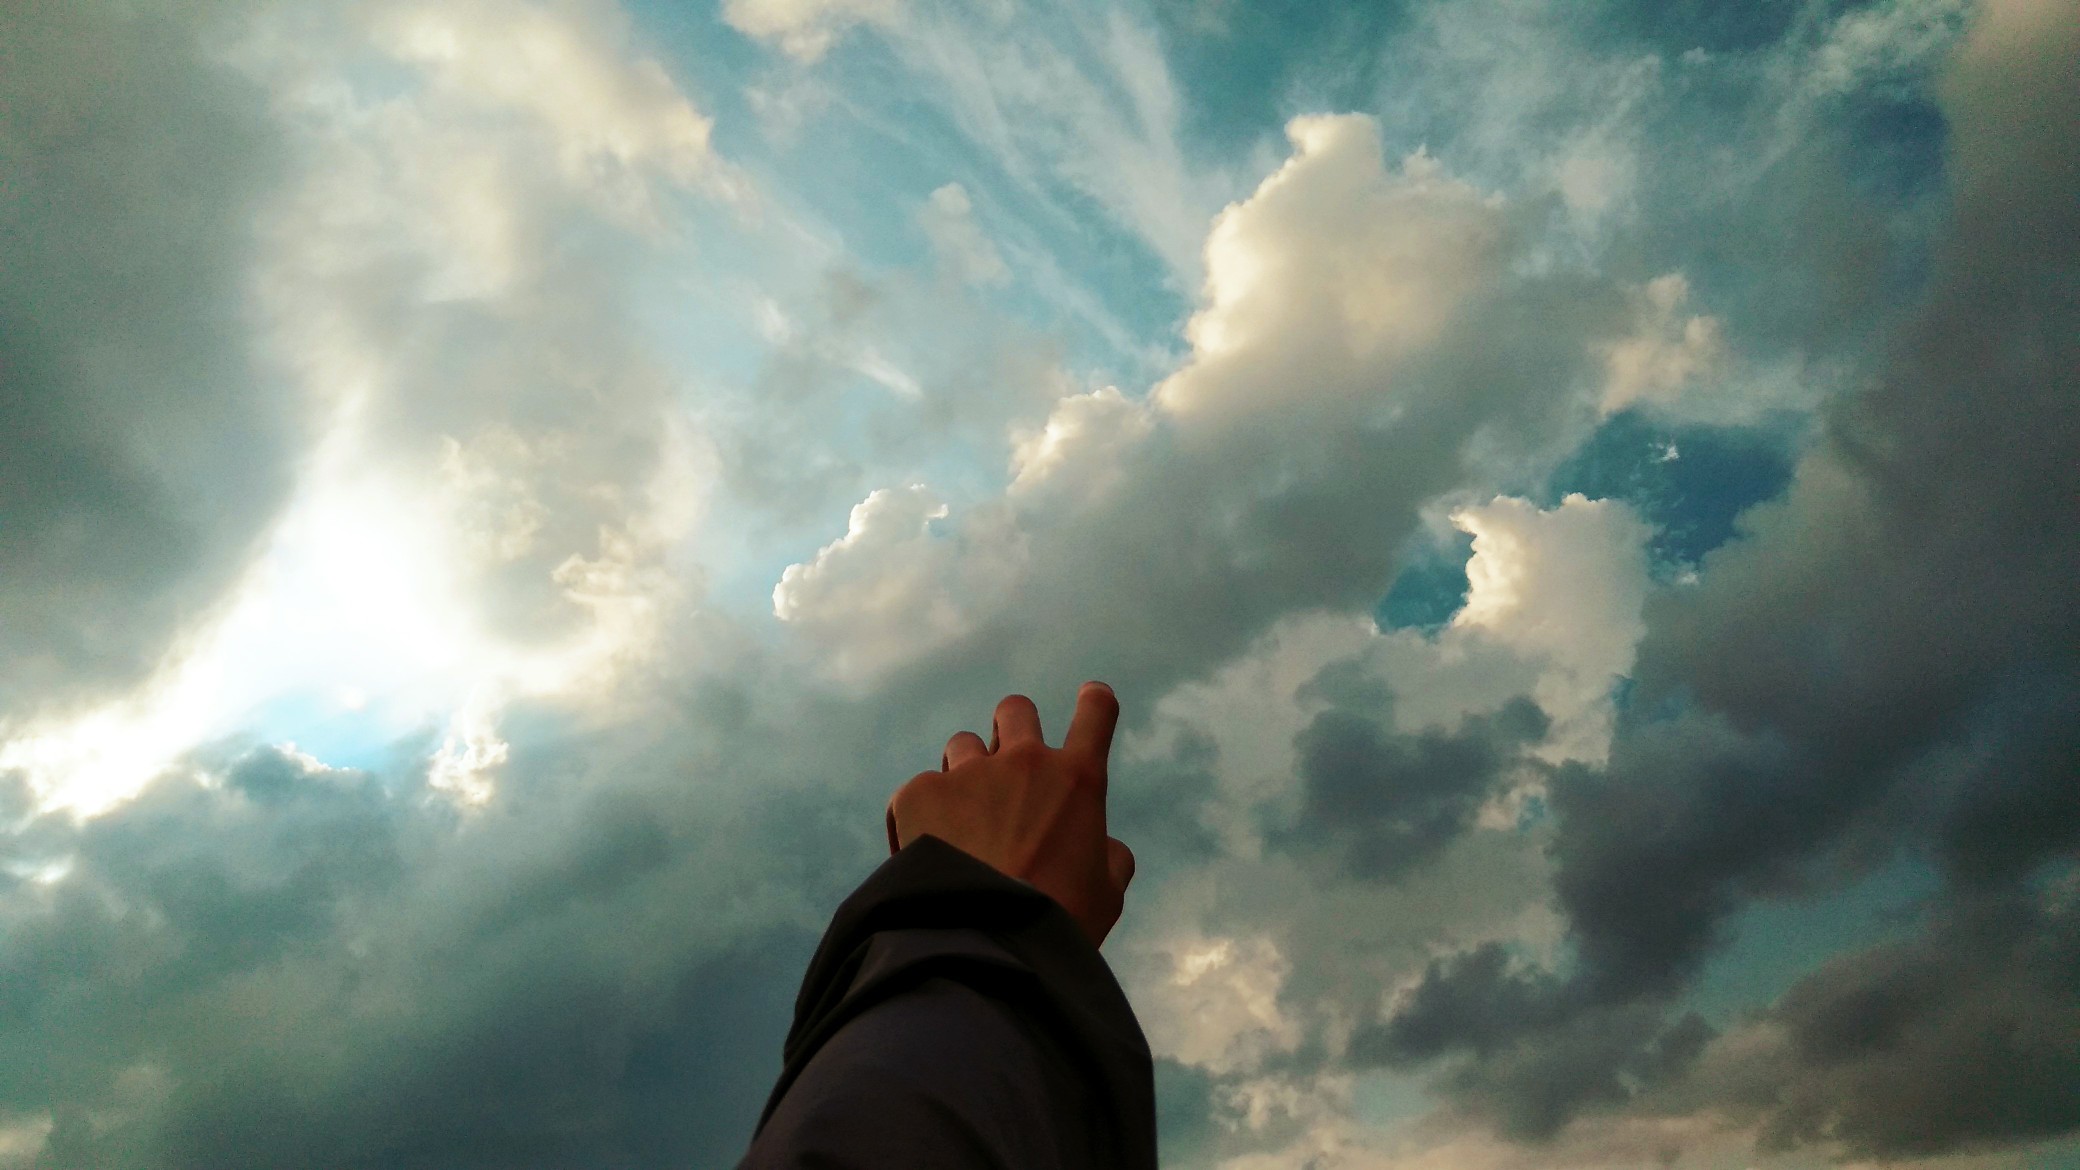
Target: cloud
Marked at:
400, 292
144, 454
805, 29
1079, 449
1073, 105
265, 961
1407, 821
948, 220
1868, 670
1532, 1057
1565, 588
614, 119
1964, 1036
1350, 311
1670, 352
1894, 622
880, 587
1222, 1013
1433, 896
1387, 804
1334, 251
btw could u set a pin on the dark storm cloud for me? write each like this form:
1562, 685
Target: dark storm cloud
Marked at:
260, 962
141, 454
1156, 804
186, 889
294, 966
1383, 803
1528, 1054
1966, 1036
1886, 661
1896, 607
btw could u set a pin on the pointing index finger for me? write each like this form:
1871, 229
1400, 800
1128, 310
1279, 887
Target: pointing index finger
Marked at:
1090, 729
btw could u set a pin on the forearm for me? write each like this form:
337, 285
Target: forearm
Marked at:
955, 1017
941, 1076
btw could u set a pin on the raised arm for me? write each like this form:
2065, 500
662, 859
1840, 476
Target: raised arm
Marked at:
957, 1012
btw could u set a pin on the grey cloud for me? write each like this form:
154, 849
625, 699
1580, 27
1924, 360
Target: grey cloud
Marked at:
1184, 1111
1854, 684
1887, 660
142, 452
1476, 1000
259, 962
301, 967
1526, 1053
590, 972
1688, 820
1964, 1036
1383, 802
1157, 806
2013, 799
1208, 543
180, 895
1594, 1060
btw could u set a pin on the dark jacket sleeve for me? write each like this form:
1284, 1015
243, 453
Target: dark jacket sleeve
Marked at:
953, 1017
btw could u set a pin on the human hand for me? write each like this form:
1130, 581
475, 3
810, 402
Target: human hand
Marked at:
1034, 812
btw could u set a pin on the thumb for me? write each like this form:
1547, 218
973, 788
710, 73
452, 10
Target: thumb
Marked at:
1119, 863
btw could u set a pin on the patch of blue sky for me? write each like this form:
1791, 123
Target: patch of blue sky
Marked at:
1677, 26
345, 730
1691, 483
1245, 69
1431, 586
1773, 943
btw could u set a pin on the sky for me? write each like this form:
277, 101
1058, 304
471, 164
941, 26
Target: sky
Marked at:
1577, 499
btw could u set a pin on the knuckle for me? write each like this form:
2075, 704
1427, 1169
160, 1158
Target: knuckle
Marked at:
1025, 755
910, 792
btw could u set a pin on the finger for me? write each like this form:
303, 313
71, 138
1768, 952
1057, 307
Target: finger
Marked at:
1090, 730
1119, 863
1018, 721
964, 746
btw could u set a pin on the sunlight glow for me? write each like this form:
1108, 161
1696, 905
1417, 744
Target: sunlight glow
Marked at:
359, 600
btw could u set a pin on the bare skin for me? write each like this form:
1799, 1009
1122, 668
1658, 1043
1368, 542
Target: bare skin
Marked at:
1034, 812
